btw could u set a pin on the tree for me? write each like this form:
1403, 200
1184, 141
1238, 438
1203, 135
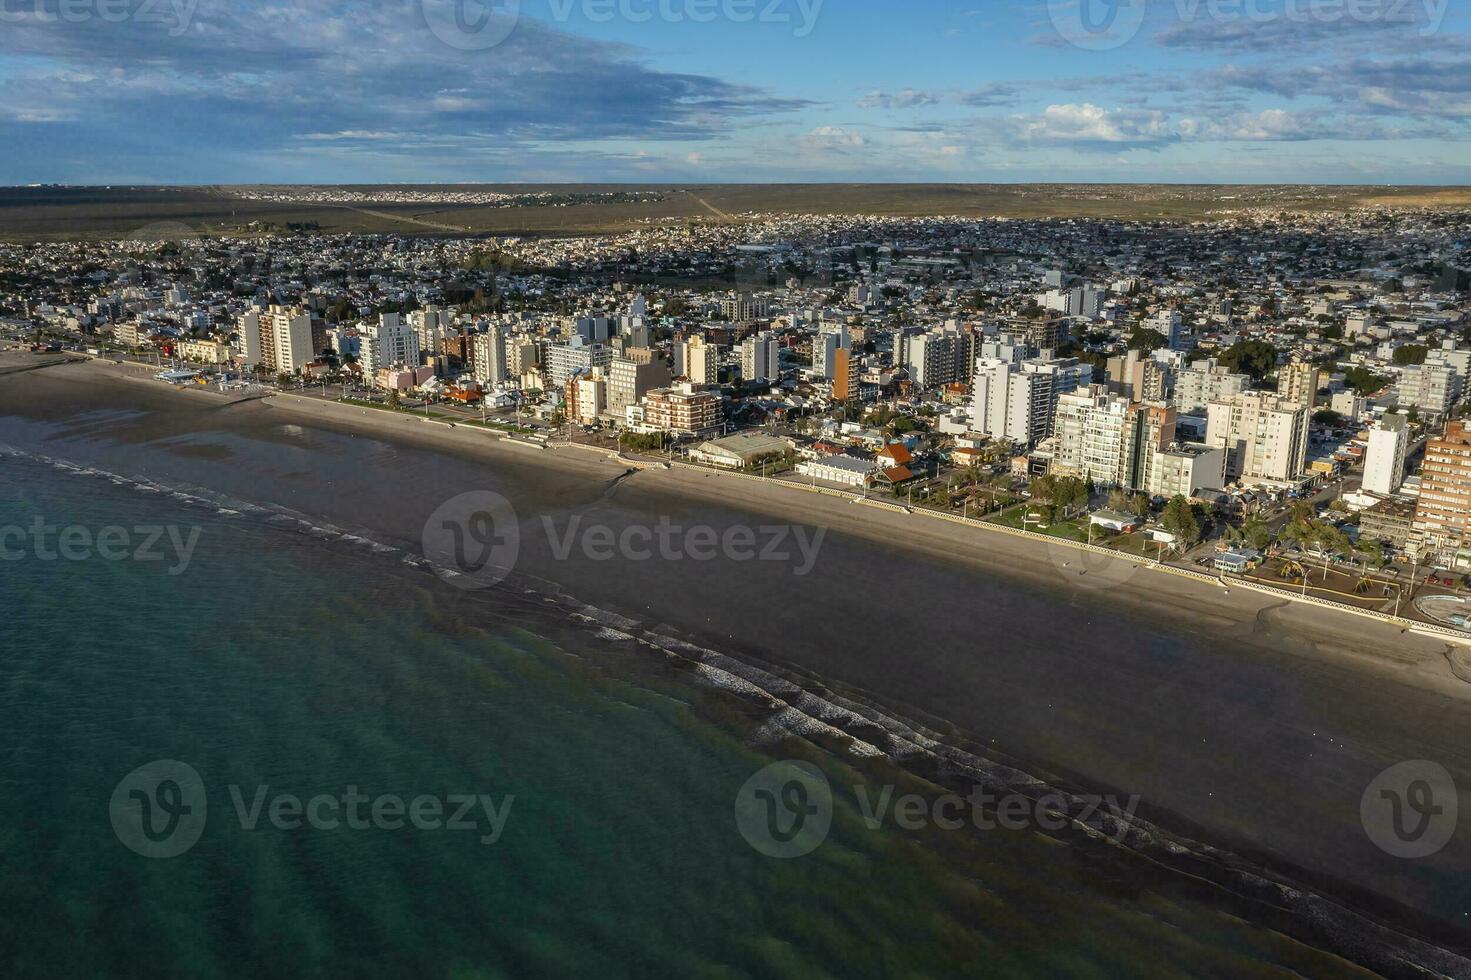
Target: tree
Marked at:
1328, 417
1256, 532
1147, 340
1254, 357
1180, 520
1363, 381
1070, 494
1410, 355
1128, 503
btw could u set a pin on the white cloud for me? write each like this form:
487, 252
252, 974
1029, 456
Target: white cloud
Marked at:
833, 138
906, 99
1088, 123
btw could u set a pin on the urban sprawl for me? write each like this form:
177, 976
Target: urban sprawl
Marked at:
1272, 395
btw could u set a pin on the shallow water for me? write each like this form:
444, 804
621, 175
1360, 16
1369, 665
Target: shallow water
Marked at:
301, 651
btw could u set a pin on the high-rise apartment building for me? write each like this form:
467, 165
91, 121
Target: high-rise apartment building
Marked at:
488, 354
1017, 400
761, 357
430, 326
575, 357
741, 308
1434, 388
1384, 460
1265, 437
633, 376
1443, 512
1110, 440
1171, 324
845, 376
587, 397
1298, 383
934, 358
683, 409
1139, 377
279, 339
1204, 382
386, 343
699, 361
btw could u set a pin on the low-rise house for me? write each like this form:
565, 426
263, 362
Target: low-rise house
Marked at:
740, 451
848, 471
1237, 561
1115, 521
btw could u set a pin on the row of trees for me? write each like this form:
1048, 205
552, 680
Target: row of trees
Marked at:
1061, 493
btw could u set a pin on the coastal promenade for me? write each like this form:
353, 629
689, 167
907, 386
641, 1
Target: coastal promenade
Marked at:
1222, 584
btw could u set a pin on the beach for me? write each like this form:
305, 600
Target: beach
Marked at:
1240, 719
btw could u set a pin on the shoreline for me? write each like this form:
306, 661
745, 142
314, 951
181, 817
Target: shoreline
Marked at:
1417, 654
1216, 733
1326, 630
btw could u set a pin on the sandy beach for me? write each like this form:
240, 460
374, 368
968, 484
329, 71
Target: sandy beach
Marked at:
1251, 722
1379, 648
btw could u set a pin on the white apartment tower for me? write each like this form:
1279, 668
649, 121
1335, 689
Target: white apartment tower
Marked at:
1384, 462
1265, 438
489, 355
279, 339
1017, 400
1205, 382
388, 342
761, 357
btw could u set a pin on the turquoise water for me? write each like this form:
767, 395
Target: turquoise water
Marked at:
310, 667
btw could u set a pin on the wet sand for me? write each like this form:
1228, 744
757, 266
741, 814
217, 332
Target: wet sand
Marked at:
1252, 723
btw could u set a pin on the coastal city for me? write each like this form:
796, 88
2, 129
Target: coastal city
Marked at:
735, 489
1270, 395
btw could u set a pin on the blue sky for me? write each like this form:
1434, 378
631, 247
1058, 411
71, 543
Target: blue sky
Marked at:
226, 91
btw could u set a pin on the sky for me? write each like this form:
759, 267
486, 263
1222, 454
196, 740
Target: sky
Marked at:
378, 91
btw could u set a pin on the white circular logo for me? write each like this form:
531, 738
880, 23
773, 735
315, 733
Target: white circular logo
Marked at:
1410, 810
1091, 569
473, 541
471, 25
159, 810
785, 810
1096, 25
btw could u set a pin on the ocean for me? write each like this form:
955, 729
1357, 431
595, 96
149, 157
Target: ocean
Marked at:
610, 764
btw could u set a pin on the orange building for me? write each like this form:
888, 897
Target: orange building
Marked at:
1443, 513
